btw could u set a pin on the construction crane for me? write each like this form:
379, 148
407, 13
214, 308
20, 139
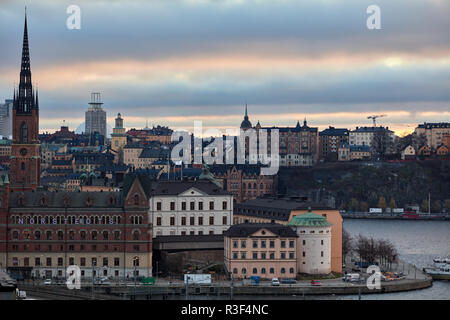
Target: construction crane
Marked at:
375, 117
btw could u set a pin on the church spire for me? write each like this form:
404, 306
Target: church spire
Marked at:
25, 101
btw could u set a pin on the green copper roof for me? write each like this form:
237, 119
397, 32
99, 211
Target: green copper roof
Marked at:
309, 219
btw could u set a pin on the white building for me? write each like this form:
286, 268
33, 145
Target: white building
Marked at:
363, 136
313, 243
190, 208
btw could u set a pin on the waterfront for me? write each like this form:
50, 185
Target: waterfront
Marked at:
417, 242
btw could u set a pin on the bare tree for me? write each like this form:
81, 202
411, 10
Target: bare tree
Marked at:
347, 244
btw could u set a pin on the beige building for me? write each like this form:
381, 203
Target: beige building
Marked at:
267, 250
131, 155
434, 133
408, 153
118, 139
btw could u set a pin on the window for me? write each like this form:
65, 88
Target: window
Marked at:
105, 235
136, 235
200, 221
158, 206
136, 199
94, 261
321, 253
263, 243
255, 255
291, 270
211, 205
224, 220
183, 221
272, 270
243, 244
105, 262
211, 220
37, 261
172, 221
116, 262
158, 221
15, 235
283, 255
235, 255
291, 244
263, 255
235, 271
304, 253
60, 235
321, 242
71, 261
272, 244
255, 271
83, 235
291, 255
263, 270
71, 235
200, 205
283, 270
94, 235
304, 242
272, 256
116, 235
49, 262
37, 235
283, 244
83, 262
224, 205
244, 271
243, 255
183, 205
235, 244
172, 206
24, 133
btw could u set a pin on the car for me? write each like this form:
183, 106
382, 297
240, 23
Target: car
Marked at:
275, 282
316, 283
48, 282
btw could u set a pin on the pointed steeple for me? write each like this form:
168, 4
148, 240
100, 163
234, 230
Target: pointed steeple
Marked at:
246, 113
6, 179
24, 97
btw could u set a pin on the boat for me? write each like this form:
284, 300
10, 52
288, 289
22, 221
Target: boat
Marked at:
441, 272
442, 260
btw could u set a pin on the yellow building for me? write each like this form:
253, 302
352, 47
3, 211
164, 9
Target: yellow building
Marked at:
118, 139
283, 210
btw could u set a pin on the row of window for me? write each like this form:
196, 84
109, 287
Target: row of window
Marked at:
191, 205
74, 219
81, 247
184, 221
263, 243
72, 235
264, 271
263, 255
60, 262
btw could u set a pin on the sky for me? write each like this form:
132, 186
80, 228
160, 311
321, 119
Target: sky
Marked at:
171, 62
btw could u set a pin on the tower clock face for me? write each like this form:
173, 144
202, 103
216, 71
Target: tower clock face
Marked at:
23, 152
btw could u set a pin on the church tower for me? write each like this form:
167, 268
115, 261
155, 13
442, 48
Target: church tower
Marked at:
118, 139
25, 159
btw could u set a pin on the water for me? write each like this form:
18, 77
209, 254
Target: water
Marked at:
417, 242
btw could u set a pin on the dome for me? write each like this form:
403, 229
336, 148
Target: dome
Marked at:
309, 219
246, 124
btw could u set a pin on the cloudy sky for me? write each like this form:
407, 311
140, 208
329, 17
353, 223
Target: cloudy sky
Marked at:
171, 62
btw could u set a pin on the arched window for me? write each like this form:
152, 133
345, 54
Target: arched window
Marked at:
235, 271
136, 235
83, 235
15, 235
291, 270
37, 235
244, 271
24, 133
71, 235
116, 235
283, 270
94, 235
48, 235
105, 235
60, 235
263, 270
272, 270
255, 271
22, 166
136, 199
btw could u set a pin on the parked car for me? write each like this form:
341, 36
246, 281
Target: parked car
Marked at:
352, 277
275, 282
316, 283
48, 282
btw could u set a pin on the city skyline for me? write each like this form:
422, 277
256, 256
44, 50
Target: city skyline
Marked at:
164, 68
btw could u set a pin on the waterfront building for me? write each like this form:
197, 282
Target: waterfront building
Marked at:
282, 210
267, 250
434, 133
188, 208
313, 243
95, 116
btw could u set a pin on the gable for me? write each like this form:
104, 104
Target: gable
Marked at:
263, 232
193, 192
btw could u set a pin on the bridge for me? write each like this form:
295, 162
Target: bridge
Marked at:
188, 243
